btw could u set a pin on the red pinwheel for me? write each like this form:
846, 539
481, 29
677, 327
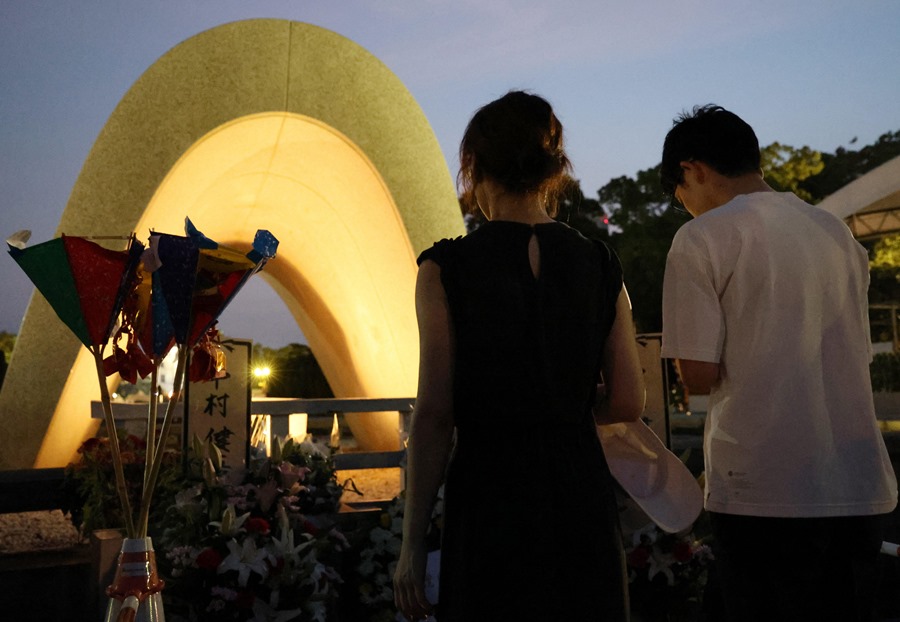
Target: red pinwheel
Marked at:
85, 284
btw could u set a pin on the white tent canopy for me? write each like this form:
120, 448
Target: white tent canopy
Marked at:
870, 204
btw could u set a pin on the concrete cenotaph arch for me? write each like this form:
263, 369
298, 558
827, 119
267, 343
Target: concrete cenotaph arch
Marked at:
259, 124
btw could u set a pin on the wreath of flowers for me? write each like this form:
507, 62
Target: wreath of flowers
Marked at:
667, 573
261, 544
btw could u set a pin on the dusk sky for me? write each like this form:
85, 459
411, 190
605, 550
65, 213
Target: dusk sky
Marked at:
802, 73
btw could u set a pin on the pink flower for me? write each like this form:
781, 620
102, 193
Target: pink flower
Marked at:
291, 474
266, 494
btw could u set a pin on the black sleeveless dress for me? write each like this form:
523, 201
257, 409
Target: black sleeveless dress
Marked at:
530, 527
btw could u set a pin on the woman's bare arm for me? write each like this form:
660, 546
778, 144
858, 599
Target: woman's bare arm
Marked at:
624, 394
430, 437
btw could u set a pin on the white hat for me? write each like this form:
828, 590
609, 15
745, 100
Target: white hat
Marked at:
652, 475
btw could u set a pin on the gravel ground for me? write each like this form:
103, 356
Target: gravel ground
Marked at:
375, 484
36, 531
52, 530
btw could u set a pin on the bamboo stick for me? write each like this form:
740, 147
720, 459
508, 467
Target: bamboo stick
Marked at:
151, 423
147, 493
118, 469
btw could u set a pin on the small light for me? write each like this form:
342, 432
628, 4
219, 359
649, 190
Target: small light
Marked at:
297, 426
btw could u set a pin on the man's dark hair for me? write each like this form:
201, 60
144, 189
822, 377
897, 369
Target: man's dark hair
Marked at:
712, 135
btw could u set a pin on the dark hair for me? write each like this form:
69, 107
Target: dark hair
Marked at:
518, 142
714, 136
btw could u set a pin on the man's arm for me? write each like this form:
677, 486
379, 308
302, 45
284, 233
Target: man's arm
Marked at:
698, 376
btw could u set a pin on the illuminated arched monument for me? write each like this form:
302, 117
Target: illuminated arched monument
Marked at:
259, 124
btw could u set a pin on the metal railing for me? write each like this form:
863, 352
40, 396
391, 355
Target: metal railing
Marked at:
279, 409
319, 411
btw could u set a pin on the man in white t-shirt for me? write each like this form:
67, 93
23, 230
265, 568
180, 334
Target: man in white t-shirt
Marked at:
765, 308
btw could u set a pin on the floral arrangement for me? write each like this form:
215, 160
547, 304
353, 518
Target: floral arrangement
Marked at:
378, 559
89, 488
667, 573
257, 545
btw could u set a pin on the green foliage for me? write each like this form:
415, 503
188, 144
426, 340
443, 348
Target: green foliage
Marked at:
886, 254
296, 373
645, 223
785, 167
7, 343
845, 165
884, 269
634, 202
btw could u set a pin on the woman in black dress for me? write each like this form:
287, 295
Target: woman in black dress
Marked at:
526, 344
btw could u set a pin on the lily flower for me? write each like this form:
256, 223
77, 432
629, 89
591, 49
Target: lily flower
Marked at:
231, 523
245, 559
285, 548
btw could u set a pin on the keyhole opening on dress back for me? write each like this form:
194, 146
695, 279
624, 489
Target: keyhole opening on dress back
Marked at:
534, 256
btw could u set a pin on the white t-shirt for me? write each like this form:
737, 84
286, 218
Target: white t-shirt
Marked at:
775, 291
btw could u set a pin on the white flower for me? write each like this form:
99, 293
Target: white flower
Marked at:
309, 448
265, 612
397, 525
660, 563
648, 531
188, 496
231, 523
383, 540
245, 559
284, 546
224, 593
393, 546
317, 611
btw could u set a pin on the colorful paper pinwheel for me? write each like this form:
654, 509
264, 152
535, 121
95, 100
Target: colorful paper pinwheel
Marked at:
167, 295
